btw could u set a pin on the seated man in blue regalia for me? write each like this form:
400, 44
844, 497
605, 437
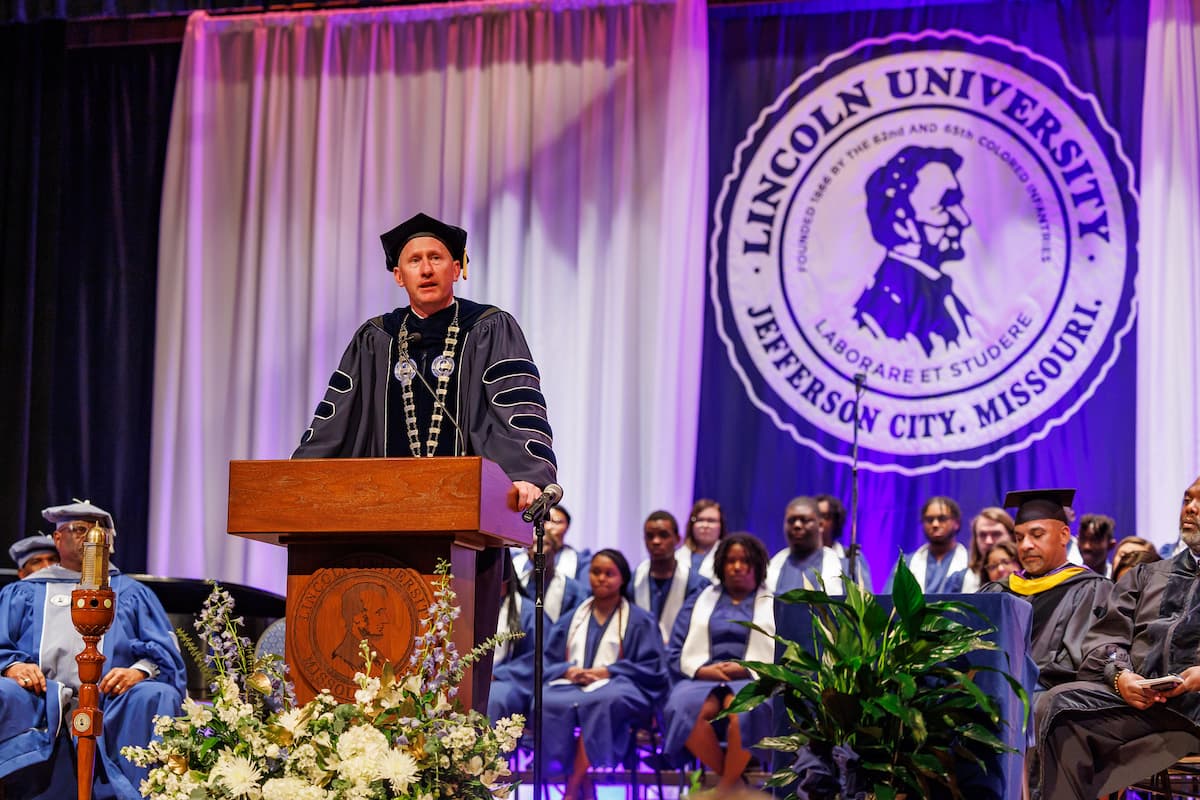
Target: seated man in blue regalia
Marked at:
144, 672
33, 553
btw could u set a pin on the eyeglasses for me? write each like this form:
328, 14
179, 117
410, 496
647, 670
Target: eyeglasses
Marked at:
938, 518
706, 520
78, 529
806, 521
1008, 562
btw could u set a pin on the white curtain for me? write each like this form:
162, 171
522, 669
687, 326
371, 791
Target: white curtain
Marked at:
569, 139
1168, 400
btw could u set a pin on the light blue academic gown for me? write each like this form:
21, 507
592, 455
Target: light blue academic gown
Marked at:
604, 716
35, 735
727, 642
511, 691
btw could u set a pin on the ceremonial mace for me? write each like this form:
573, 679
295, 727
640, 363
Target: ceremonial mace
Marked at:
92, 608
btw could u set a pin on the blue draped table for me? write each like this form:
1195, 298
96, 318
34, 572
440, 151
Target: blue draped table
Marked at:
1011, 616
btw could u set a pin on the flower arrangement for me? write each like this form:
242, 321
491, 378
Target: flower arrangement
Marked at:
404, 736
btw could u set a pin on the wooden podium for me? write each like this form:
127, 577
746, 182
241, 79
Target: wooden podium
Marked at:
363, 537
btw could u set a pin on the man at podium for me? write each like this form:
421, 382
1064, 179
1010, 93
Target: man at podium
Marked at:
442, 376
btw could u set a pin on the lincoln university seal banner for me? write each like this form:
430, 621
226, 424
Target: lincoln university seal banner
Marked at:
944, 217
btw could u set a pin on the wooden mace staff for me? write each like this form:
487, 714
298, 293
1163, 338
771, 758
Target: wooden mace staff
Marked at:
92, 607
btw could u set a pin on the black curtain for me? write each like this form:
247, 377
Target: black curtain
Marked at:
33, 99
85, 298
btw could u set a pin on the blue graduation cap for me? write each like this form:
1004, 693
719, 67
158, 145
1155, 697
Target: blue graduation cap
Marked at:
31, 546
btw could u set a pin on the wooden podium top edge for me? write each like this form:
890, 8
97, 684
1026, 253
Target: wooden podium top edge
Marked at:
275, 498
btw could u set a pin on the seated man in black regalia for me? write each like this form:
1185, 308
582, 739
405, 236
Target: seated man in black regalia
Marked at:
1063, 595
1113, 726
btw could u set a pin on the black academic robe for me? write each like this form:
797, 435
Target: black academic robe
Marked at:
1062, 616
1151, 625
495, 395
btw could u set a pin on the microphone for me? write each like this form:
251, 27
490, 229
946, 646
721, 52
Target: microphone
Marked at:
860, 385
415, 338
550, 497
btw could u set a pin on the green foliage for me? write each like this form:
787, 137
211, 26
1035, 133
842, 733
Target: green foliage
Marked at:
887, 685
198, 654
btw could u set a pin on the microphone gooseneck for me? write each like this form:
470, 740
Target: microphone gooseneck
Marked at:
860, 383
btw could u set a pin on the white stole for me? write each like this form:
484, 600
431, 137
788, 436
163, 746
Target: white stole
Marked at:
684, 556
501, 652
970, 582
920, 560
675, 595
831, 570
522, 564
556, 590
567, 562
697, 646
609, 649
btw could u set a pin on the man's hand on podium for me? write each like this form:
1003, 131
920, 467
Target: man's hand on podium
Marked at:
522, 495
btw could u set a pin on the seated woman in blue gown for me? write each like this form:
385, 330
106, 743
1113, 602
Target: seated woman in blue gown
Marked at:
512, 663
707, 638
605, 670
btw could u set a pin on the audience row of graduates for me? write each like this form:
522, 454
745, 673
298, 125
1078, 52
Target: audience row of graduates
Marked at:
668, 635
612, 662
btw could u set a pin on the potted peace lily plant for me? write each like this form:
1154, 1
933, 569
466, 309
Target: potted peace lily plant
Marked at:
882, 705
404, 736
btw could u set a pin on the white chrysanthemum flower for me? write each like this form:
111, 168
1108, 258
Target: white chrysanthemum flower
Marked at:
238, 774
399, 769
291, 789
475, 765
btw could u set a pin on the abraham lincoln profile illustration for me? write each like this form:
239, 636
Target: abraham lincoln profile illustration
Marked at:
366, 615
915, 206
